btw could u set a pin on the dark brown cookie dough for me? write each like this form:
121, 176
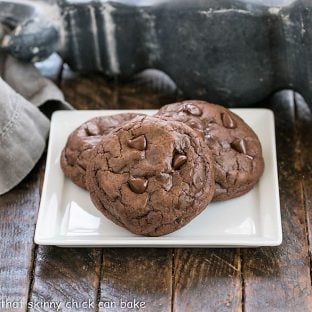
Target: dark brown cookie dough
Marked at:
80, 143
151, 176
236, 148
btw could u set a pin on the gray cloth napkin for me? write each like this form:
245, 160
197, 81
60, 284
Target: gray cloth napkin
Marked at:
24, 94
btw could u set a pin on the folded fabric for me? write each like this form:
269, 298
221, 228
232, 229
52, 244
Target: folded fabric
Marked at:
26, 80
24, 94
23, 132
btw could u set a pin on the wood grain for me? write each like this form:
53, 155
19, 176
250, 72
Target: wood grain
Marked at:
304, 129
207, 280
95, 92
18, 212
278, 278
61, 275
68, 276
137, 274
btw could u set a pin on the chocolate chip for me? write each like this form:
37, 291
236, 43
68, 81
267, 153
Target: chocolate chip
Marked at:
178, 220
192, 110
196, 125
92, 130
138, 185
239, 145
227, 121
178, 161
138, 143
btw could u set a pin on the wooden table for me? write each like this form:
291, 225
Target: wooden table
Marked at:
256, 279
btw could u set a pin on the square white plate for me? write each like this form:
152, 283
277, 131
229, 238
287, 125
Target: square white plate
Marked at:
67, 216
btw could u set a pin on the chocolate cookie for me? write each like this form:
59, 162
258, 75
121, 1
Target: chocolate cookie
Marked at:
151, 176
81, 142
236, 148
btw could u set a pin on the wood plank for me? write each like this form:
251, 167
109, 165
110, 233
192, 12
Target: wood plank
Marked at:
137, 274
65, 277
18, 213
278, 278
207, 280
304, 128
95, 92
88, 91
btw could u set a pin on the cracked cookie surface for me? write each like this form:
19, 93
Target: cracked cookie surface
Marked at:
80, 143
151, 176
235, 146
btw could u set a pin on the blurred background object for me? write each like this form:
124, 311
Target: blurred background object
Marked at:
233, 52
